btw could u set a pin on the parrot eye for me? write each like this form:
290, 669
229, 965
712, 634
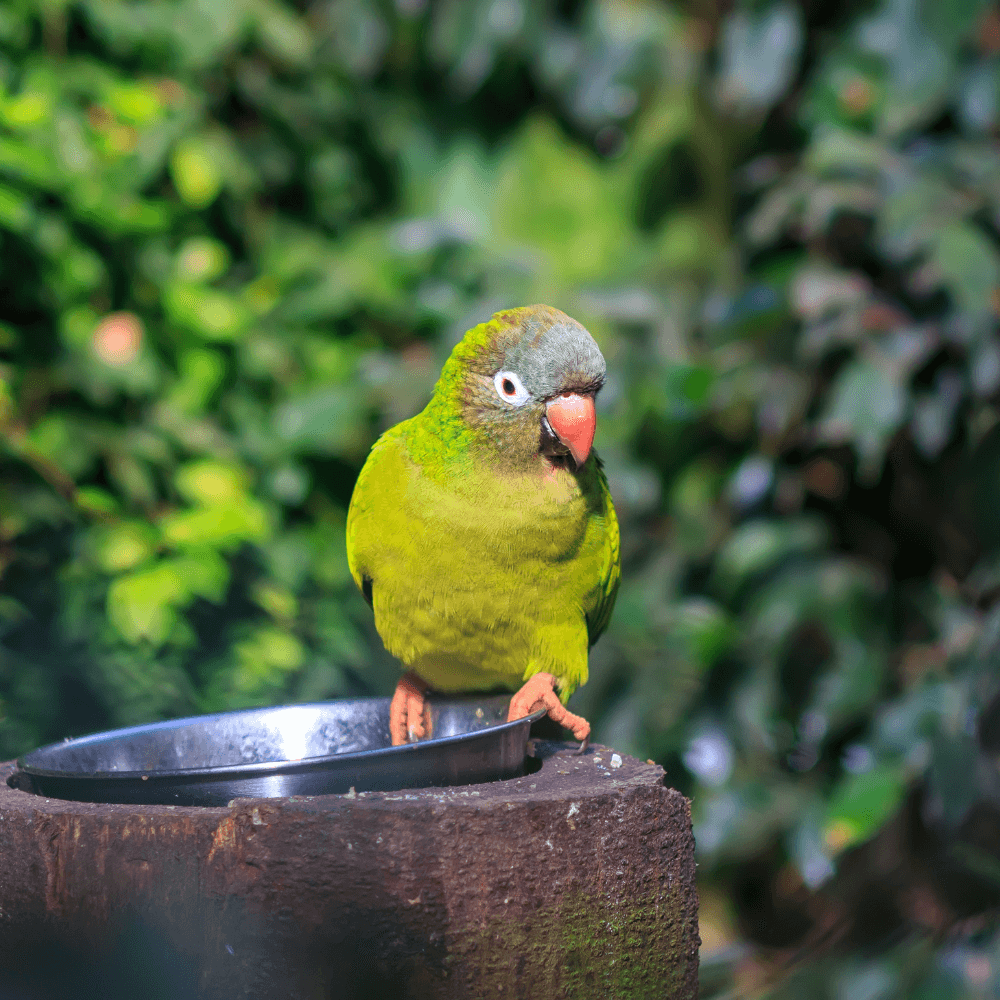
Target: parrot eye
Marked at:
510, 389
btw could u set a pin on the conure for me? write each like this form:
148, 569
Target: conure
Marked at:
482, 531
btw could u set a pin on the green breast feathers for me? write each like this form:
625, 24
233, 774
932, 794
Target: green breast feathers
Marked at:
481, 530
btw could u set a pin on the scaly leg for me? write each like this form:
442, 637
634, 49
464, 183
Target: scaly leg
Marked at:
539, 691
406, 710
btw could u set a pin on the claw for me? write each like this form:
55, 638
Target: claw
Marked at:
538, 692
407, 710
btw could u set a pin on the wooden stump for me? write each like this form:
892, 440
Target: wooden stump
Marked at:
575, 881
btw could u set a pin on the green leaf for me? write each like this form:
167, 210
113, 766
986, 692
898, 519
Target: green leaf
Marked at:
204, 572
139, 103
142, 605
283, 34
26, 111
953, 777
25, 162
224, 526
195, 172
760, 545
860, 804
201, 373
94, 500
16, 212
324, 419
201, 259
970, 265
213, 314
565, 209
704, 630
212, 483
225, 514
58, 438
123, 546
760, 53
270, 647
850, 684
866, 407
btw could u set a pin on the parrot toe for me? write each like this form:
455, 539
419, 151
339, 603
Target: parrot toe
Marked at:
407, 711
538, 692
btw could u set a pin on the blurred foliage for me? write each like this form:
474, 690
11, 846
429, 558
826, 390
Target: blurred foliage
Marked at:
238, 239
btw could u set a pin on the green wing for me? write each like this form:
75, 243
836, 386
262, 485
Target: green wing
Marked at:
601, 600
380, 474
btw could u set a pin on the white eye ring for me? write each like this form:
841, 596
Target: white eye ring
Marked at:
510, 389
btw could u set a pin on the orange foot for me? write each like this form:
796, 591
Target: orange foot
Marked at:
407, 720
539, 691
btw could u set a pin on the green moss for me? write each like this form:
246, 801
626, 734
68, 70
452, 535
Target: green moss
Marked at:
588, 947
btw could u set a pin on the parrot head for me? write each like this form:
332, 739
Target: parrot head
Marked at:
525, 383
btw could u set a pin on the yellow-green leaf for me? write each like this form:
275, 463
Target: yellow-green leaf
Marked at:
222, 526
211, 313
211, 483
860, 805
141, 605
123, 546
195, 174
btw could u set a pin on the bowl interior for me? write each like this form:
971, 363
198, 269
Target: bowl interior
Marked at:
255, 736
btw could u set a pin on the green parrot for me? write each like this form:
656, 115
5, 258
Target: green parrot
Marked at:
482, 532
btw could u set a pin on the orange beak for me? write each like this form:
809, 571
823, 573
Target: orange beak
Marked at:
573, 420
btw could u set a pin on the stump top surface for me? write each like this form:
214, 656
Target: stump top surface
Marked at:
562, 775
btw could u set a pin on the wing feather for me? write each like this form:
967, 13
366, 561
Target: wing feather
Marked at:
602, 602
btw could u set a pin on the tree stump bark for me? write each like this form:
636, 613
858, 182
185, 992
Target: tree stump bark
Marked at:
574, 881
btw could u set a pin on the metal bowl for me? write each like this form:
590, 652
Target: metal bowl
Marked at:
315, 749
